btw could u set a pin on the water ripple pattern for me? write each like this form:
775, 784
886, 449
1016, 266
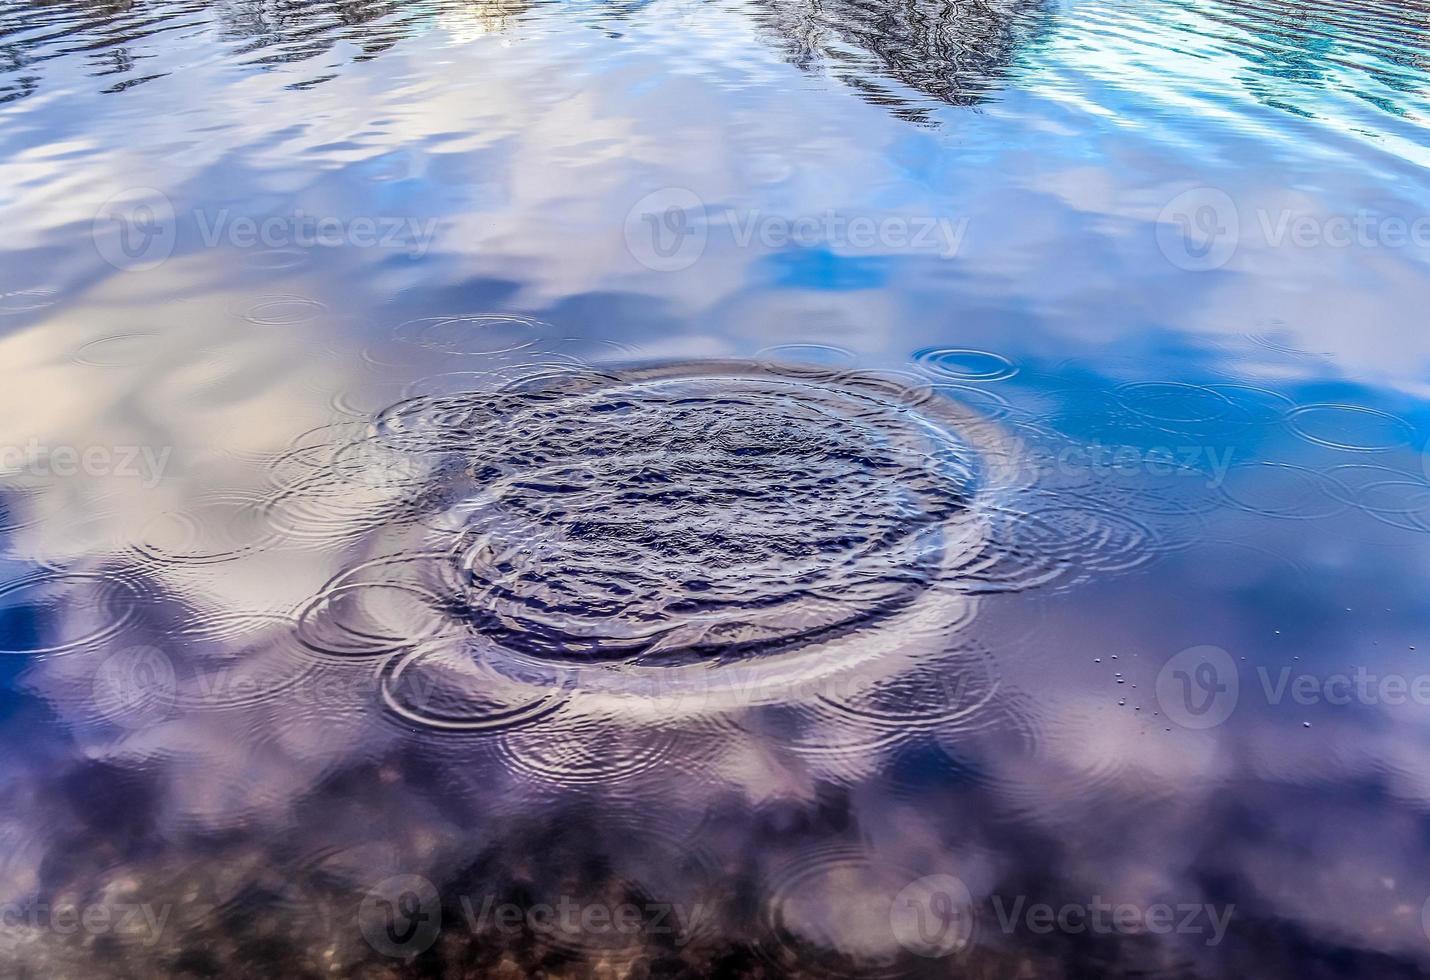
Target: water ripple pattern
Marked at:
684, 539
965, 365
667, 516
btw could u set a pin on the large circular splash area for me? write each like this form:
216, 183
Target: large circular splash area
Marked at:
692, 517
670, 516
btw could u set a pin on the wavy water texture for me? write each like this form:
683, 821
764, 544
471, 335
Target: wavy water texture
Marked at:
712, 488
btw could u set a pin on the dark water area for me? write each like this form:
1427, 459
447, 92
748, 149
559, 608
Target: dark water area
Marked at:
870, 488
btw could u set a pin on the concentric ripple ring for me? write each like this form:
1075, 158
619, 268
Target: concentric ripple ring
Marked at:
643, 532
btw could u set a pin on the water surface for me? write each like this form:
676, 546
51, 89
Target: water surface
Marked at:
703, 487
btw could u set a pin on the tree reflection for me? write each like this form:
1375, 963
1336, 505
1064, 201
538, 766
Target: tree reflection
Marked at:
118, 38
904, 53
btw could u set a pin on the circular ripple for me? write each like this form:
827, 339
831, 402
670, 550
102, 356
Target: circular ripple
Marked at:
1059, 540
986, 400
842, 728
1391, 496
325, 493
1185, 493
1165, 401
963, 364
589, 350
17, 506
1273, 343
1082, 533
471, 334
324, 512
493, 378
1226, 565
238, 660
310, 454
1283, 490
277, 259
674, 541
218, 528
448, 383
699, 517
231, 629
1404, 504
361, 399
1254, 404
834, 912
812, 360
26, 301
588, 750
283, 310
372, 610
1350, 427
947, 693
55, 612
122, 350
456, 685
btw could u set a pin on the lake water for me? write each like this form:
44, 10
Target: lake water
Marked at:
697, 487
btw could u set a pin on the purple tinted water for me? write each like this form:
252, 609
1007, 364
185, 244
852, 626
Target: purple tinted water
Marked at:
740, 488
